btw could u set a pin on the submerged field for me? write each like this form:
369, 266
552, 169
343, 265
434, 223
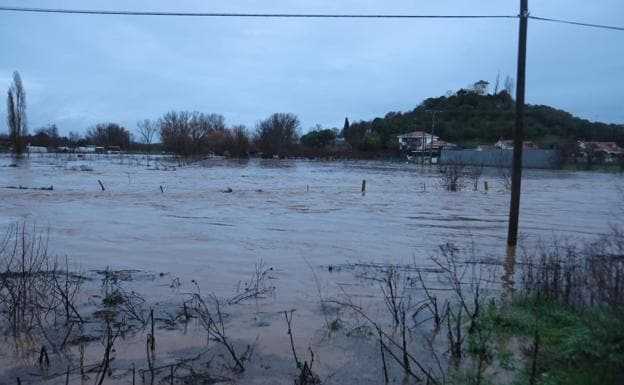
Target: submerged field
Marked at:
305, 225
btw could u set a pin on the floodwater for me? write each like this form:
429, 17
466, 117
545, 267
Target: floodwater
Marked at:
298, 217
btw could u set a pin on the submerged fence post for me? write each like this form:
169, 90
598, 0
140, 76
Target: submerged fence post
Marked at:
101, 185
485, 185
153, 339
363, 186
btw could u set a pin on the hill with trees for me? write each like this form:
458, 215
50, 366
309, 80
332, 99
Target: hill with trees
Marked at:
471, 117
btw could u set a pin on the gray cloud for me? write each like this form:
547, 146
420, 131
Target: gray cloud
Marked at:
81, 70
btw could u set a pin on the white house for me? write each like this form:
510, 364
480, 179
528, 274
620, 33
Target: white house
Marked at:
86, 149
509, 145
36, 149
416, 140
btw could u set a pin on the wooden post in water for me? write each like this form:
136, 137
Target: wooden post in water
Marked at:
363, 186
101, 185
153, 340
485, 185
161, 189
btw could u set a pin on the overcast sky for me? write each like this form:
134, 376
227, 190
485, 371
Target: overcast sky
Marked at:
79, 70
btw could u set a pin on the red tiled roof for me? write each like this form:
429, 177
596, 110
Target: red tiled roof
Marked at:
440, 144
415, 134
609, 147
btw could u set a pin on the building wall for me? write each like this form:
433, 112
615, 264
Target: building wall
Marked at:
531, 158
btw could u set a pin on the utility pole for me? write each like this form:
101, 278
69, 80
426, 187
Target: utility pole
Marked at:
516, 176
433, 112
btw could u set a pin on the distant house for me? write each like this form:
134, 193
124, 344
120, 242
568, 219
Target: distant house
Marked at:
509, 145
609, 151
113, 150
438, 145
36, 149
86, 149
416, 140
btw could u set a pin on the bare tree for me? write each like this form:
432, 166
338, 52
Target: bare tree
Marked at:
16, 113
452, 177
109, 134
496, 84
509, 85
74, 138
277, 133
147, 129
239, 147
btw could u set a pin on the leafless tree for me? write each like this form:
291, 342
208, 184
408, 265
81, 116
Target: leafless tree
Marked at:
192, 133
509, 85
74, 138
175, 132
475, 173
239, 147
109, 134
452, 177
16, 113
497, 83
147, 129
48, 135
277, 133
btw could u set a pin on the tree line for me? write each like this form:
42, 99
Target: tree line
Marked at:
468, 117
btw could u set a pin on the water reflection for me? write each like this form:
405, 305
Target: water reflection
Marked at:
508, 272
276, 163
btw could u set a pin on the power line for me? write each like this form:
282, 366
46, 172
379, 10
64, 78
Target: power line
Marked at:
251, 15
578, 23
292, 15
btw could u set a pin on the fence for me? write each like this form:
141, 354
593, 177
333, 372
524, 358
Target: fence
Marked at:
501, 158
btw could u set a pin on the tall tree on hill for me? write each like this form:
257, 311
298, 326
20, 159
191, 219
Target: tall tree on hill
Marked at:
496, 84
509, 85
16, 113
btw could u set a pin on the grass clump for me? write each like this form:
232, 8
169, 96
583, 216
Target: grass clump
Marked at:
575, 346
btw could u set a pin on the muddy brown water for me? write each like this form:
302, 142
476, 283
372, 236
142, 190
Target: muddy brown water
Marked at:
298, 217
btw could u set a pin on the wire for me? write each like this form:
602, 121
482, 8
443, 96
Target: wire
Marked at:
256, 15
293, 15
578, 23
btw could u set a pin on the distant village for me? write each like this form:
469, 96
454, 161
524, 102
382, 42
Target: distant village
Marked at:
421, 144
413, 146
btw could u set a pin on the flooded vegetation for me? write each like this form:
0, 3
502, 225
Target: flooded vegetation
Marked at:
132, 269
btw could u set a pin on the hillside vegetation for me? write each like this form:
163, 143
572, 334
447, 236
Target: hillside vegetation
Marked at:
469, 118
